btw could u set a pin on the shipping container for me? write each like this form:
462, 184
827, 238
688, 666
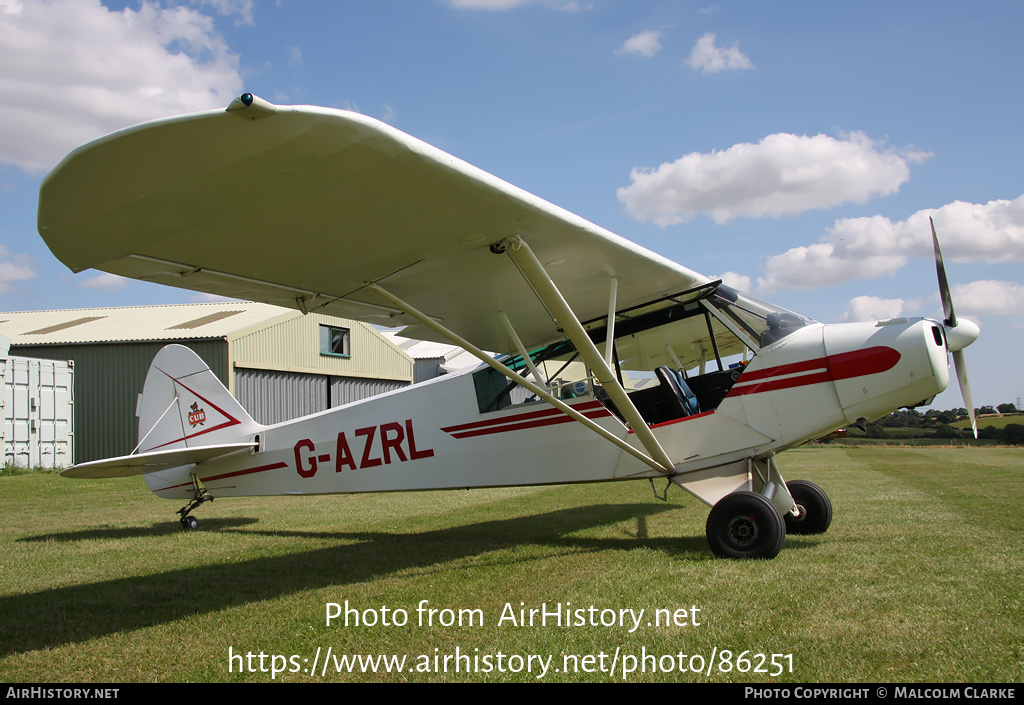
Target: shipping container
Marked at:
38, 412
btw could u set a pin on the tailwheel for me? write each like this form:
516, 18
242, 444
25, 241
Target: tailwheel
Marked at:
745, 525
199, 496
814, 505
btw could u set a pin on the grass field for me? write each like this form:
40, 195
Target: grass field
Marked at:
910, 441
917, 580
997, 421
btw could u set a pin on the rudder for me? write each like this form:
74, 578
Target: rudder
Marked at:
184, 405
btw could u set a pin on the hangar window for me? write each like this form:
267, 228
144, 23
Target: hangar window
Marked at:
334, 341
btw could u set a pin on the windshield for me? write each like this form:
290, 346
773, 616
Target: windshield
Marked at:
765, 323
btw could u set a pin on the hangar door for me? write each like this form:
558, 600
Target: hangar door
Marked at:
273, 397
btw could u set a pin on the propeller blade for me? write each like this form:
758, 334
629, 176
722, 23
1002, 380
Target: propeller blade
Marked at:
958, 335
947, 300
960, 363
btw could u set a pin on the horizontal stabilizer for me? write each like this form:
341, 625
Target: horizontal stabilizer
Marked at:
144, 463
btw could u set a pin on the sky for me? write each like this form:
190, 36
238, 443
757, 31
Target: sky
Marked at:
794, 149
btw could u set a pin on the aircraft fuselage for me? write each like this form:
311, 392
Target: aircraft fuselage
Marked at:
434, 436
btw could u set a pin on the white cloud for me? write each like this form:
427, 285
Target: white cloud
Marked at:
990, 297
990, 232
105, 281
294, 56
709, 58
782, 175
72, 71
642, 44
740, 282
873, 308
871, 247
14, 268
389, 115
817, 265
226, 8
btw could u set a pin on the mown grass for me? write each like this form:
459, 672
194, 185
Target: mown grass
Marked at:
902, 440
917, 580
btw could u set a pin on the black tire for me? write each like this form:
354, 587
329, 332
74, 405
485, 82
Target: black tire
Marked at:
190, 523
745, 525
815, 509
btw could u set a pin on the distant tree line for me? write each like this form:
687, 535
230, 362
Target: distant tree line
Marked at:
935, 423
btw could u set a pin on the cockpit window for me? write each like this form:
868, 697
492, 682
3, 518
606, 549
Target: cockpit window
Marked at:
698, 340
561, 371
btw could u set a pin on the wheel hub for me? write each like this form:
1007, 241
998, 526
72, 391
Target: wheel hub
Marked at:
742, 530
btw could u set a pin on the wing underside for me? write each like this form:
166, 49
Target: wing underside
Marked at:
305, 206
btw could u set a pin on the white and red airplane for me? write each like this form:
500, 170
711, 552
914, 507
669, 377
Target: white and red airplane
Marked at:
620, 365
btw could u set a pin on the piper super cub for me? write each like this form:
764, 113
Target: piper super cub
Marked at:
619, 364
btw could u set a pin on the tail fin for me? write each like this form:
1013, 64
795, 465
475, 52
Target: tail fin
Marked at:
184, 405
186, 417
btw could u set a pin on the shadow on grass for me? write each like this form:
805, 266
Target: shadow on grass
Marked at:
134, 532
82, 612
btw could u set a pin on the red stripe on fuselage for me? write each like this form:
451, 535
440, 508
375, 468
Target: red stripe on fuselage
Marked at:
857, 363
862, 362
519, 418
236, 473
679, 420
536, 423
532, 419
795, 374
261, 468
791, 368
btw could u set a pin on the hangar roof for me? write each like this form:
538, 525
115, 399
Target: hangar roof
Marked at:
137, 323
455, 358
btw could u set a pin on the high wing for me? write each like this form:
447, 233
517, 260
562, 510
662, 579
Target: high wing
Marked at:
301, 206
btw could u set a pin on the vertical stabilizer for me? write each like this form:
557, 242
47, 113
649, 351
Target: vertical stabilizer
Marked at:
184, 405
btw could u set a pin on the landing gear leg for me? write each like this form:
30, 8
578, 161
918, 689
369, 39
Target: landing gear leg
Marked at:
199, 495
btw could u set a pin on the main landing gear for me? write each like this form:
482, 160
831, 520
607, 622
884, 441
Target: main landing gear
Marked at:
815, 509
199, 495
745, 525
749, 525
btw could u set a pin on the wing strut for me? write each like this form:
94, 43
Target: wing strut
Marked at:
522, 349
537, 277
609, 343
536, 389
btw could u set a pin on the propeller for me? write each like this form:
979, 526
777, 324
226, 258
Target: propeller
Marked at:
959, 334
